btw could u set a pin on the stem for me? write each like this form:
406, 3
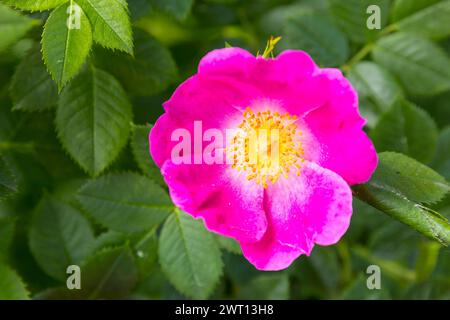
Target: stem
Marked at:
361, 54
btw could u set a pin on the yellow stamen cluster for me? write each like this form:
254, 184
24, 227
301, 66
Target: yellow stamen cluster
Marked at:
266, 146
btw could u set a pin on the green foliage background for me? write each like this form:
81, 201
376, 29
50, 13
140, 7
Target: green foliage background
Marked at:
77, 185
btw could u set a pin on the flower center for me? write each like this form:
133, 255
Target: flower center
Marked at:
267, 145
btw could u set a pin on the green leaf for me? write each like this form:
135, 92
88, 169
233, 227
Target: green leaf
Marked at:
11, 286
151, 71
8, 183
125, 202
110, 274
59, 237
316, 35
392, 268
13, 26
375, 84
6, 237
93, 119
325, 261
397, 187
420, 65
404, 8
441, 161
228, 244
412, 179
178, 8
141, 152
406, 129
34, 5
144, 246
431, 22
65, 48
146, 250
189, 256
32, 88
110, 22
351, 16
266, 287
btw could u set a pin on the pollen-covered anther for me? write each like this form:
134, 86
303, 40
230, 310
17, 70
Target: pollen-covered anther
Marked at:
266, 146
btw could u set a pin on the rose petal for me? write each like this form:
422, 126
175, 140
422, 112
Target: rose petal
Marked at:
314, 207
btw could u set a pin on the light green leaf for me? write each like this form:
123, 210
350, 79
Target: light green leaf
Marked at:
13, 26
431, 22
375, 84
151, 71
59, 236
11, 286
141, 152
351, 16
125, 202
427, 259
421, 66
441, 161
316, 35
110, 22
189, 256
396, 189
92, 100
407, 129
32, 88
412, 179
8, 183
34, 5
404, 8
266, 287
65, 46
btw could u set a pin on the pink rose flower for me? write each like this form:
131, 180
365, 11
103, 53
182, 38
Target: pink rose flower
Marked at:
276, 211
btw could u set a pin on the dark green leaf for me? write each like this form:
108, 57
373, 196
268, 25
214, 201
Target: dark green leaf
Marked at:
178, 8
441, 162
6, 237
59, 237
149, 72
8, 183
32, 88
266, 287
351, 16
141, 152
319, 37
407, 129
